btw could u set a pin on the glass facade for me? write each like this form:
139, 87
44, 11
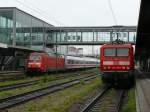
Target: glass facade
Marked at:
6, 26
132, 36
102, 36
21, 29
78, 36
30, 31
121, 35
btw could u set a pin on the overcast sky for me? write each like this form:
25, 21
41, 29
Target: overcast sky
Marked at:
79, 12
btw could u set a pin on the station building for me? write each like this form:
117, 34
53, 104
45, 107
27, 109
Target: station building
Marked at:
18, 28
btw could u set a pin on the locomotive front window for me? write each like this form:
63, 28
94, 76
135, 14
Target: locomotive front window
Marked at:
35, 57
116, 52
122, 52
110, 52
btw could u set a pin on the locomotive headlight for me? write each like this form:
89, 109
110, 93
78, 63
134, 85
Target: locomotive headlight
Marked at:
38, 64
123, 67
128, 68
104, 68
30, 64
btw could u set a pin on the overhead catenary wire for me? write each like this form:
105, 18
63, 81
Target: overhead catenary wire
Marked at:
39, 11
113, 16
112, 12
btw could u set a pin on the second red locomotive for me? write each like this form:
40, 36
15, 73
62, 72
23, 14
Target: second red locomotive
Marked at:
43, 62
117, 63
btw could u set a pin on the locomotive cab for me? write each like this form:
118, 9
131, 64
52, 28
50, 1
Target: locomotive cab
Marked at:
35, 62
116, 62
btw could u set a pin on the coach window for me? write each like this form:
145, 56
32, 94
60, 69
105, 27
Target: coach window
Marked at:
77, 62
73, 62
80, 62
68, 61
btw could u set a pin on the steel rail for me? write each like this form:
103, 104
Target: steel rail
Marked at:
121, 95
29, 83
95, 104
18, 85
91, 104
9, 72
11, 75
20, 98
117, 101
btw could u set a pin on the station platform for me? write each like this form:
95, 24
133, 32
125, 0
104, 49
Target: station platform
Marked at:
14, 58
142, 93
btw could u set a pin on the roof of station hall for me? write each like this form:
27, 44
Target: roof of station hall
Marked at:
96, 28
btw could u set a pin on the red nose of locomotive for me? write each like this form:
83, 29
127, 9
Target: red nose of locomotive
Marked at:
116, 65
34, 62
116, 58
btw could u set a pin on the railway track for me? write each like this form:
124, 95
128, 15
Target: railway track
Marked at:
20, 98
14, 75
11, 75
19, 85
96, 103
29, 83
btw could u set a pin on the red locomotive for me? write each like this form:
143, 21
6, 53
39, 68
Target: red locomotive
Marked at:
117, 63
45, 62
